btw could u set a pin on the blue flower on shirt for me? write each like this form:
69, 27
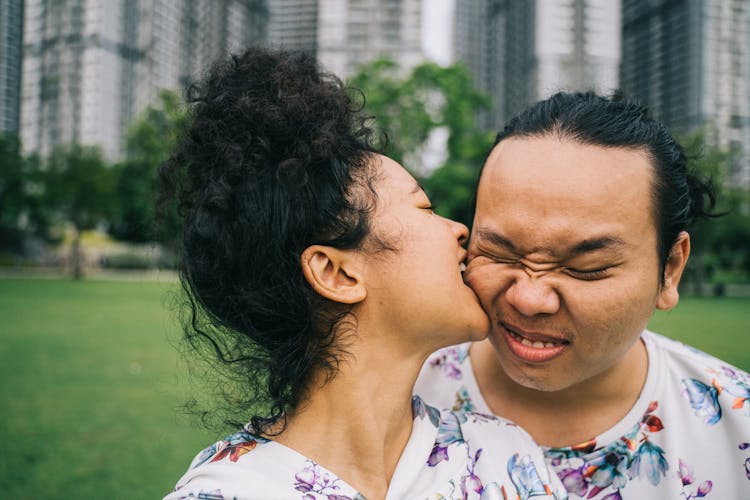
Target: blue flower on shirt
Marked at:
704, 399
649, 461
449, 432
420, 409
525, 477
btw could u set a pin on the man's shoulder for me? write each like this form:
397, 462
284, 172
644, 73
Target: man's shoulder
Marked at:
682, 357
713, 389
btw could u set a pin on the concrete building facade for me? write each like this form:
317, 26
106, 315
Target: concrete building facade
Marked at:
90, 66
689, 61
11, 43
520, 52
344, 34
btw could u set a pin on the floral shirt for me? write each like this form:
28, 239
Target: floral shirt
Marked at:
442, 459
687, 436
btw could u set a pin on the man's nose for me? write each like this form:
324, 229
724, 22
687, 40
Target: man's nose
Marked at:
531, 295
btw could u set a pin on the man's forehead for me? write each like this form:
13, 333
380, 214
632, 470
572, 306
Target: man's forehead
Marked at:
551, 154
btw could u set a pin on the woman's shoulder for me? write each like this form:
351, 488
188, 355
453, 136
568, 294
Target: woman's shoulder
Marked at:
246, 466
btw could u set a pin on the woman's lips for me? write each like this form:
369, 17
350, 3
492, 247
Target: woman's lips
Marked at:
533, 347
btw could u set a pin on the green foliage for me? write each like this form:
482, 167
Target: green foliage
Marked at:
408, 107
719, 245
79, 186
150, 140
22, 208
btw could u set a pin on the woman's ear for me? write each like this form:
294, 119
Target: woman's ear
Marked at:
673, 268
333, 273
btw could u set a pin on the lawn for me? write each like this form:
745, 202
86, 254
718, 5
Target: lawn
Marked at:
91, 390
92, 384
718, 326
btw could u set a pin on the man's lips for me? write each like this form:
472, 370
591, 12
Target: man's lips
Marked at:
534, 347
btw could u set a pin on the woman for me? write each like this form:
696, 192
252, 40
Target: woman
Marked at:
320, 276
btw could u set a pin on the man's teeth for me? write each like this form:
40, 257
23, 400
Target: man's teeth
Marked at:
535, 345
462, 267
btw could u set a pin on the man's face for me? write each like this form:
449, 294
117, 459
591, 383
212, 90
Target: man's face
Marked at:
563, 257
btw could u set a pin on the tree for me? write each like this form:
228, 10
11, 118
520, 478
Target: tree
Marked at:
409, 107
22, 212
151, 138
79, 188
718, 243
12, 195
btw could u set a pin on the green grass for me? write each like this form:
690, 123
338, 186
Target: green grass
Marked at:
718, 326
91, 389
92, 384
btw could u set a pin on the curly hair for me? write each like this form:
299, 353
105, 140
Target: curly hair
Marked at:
277, 157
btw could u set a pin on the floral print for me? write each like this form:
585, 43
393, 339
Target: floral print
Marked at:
233, 447
526, 478
745, 446
449, 361
449, 455
317, 483
633, 456
449, 433
691, 440
686, 475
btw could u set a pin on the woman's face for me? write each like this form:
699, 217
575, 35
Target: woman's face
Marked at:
417, 290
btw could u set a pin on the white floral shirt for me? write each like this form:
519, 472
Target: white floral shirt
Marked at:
687, 436
448, 455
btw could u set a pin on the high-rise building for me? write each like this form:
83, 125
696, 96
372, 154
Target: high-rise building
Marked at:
11, 31
293, 25
520, 52
689, 61
344, 34
90, 66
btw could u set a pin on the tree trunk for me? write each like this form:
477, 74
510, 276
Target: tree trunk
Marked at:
76, 255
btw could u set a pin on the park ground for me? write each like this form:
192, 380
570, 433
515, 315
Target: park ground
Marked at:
94, 382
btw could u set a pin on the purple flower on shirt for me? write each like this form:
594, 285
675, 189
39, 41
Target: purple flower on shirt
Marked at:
449, 432
574, 481
687, 476
315, 482
449, 361
745, 446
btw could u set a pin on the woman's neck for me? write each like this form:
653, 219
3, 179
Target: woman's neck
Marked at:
358, 423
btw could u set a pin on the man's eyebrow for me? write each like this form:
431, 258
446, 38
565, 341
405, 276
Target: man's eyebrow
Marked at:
416, 188
603, 243
495, 239
585, 246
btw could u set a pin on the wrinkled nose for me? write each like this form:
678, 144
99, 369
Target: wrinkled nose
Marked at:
531, 295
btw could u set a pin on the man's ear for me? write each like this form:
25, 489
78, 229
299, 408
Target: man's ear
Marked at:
673, 268
333, 274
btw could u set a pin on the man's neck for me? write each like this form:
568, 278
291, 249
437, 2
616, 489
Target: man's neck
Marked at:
570, 416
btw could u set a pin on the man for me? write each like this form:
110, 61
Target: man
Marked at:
579, 235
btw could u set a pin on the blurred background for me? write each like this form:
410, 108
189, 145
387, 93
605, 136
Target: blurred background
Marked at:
91, 101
